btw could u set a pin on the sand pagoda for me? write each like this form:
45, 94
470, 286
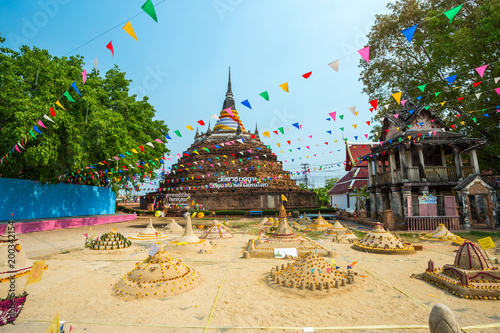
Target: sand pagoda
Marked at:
340, 233
312, 272
380, 241
217, 231
174, 227
189, 240
108, 241
319, 224
470, 276
22, 265
158, 276
304, 219
149, 233
283, 237
442, 234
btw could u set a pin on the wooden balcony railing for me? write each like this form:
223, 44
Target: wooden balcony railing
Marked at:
430, 223
433, 174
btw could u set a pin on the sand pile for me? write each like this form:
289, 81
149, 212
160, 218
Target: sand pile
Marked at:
149, 233
340, 233
312, 272
470, 276
319, 224
173, 227
158, 276
380, 241
283, 237
189, 241
108, 241
442, 234
303, 219
217, 231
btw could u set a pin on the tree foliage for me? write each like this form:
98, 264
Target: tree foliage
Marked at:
438, 50
102, 123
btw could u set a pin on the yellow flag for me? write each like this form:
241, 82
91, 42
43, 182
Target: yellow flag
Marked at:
266, 134
128, 29
135, 151
397, 97
442, 103
60, 105
356, 113
283, 198
189, 127
355, 125
36, 272
462, 122
284, 86
279, 145
54, 325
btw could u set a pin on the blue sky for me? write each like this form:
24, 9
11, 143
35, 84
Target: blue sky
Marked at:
181, 62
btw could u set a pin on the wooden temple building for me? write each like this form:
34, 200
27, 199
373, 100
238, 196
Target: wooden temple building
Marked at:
427, 175
228, 167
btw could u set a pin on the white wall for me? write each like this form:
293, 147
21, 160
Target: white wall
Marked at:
341, 201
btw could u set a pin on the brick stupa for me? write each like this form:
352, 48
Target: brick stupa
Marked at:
283, 237
228, 167
470, 276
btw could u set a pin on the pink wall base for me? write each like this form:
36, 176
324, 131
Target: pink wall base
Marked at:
72, 222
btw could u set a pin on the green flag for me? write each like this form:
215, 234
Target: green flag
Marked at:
178, 133
474, 119
281, 130
264, 95
453, 12
341, 117
31, 132
422, 87
150, 10
342, 129
437, 93
427, 107
68, 96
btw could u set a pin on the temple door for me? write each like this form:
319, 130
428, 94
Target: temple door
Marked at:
450, 206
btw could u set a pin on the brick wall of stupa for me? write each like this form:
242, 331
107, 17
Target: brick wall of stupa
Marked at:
244, 162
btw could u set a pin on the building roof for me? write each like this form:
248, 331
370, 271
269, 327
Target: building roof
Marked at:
357, 151
354, 179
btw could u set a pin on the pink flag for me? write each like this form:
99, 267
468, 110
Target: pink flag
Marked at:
84, 76
497, 90
366, 136
307, 147
41, 124
311, 136
228, 110
396, 115
333, 115
158, 140
17, 148
365, 53
480, 70
403, 102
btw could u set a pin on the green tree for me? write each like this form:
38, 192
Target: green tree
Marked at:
438, 50
102, 123
331, 182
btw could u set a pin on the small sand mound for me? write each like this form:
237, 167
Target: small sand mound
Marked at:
108, 241
158, 276
442, 234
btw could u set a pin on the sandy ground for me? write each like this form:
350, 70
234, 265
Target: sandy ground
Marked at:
234, 294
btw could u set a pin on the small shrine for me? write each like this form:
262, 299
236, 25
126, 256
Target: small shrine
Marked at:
173, 227
189, 240
470, 276
383, 242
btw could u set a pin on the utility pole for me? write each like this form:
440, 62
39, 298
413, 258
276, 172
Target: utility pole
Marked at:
304, 167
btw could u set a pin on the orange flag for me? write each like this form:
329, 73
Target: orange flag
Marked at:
128, 29
284, 86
